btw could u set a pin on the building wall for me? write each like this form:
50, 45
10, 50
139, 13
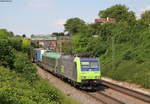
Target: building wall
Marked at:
54, 43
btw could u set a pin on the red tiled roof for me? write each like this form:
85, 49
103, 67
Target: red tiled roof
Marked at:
104, 20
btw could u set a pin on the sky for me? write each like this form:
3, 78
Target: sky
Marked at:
48, 16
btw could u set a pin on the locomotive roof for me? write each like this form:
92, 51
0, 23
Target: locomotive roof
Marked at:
52, 55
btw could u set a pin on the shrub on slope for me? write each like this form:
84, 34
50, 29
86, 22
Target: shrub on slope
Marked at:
17, 90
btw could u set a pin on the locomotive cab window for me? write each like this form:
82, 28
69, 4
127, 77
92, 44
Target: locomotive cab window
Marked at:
90, 66
94, 65
85, 64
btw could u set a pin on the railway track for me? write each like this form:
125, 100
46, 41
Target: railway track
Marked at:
138, 95
104, 98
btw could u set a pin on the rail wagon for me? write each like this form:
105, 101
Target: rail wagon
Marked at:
37, 54
82, 72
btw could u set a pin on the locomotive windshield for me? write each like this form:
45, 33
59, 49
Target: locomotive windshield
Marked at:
88, 65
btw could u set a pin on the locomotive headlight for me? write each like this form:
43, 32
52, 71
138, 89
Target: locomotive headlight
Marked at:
83, 77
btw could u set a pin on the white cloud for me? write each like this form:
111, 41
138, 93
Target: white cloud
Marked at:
146, 8
138, 14
59, 24
60, 21
40, 3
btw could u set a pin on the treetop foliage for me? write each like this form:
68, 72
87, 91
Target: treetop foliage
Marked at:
9, 45
119, 12
4, 34
74, 25
146, 17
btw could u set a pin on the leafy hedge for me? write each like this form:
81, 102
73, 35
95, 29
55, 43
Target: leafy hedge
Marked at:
130, 62
19, 83
7, 54
23, 65
22, 85
15, 89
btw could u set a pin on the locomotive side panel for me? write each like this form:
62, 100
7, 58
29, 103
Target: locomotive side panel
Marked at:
66, 67
49, 63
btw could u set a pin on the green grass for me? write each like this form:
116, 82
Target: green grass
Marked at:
15, 89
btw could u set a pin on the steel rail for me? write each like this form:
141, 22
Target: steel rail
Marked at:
103, 98
127, 91
109, 99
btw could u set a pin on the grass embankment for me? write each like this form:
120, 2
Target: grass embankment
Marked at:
15, 89
129, 62
19, 83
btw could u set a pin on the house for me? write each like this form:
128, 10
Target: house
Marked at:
46, 41
50, 42
105, 20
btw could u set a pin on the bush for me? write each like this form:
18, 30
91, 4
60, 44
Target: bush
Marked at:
4, 34
24, 66
19, 83
16, 43
15, 89
128, 63
129, 71
7, 54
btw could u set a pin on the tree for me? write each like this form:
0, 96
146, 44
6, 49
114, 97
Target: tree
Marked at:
74, 25
119, 12
16, 43
4, 34
96, 46
145, 17
79, 43
11, 33
106, 31
7, 54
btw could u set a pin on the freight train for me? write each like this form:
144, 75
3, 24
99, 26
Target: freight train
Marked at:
81, 72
